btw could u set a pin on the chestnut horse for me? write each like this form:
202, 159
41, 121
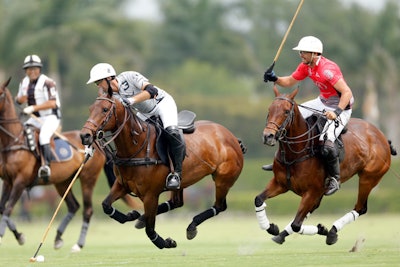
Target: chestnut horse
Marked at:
298, 167
210, 150
19, 168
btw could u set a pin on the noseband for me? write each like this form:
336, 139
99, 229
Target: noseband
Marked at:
281, 129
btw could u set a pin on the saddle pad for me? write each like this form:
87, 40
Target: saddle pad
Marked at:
63, 150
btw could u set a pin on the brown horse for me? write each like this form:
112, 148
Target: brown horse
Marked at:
298, 167
210, 150
19, 167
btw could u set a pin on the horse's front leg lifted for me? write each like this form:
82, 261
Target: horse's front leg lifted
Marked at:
261, 215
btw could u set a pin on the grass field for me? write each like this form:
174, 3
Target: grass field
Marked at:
230, 239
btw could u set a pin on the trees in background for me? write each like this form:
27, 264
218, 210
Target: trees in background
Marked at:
210, 54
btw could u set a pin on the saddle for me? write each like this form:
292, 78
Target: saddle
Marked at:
61, 149
318, 121
186, 120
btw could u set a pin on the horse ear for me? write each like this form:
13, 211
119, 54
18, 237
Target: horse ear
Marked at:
294, 93
276, 91
5, 84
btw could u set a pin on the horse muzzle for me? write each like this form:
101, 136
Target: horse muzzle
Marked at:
86, 138
269, 139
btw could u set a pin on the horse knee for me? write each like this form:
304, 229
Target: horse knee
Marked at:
258, 201
107, 209
295, 227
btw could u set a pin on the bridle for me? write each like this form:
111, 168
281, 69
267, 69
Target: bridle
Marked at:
16, 139
287, 142
98, 130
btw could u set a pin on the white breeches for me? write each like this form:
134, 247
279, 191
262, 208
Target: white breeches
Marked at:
47, 125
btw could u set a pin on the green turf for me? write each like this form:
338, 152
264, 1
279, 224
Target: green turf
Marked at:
230, 239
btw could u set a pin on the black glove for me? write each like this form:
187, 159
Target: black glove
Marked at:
270, 76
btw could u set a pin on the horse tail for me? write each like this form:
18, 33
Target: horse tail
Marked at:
242, 146
392, 149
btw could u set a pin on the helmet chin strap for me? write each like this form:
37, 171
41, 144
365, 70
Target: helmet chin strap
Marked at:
109, 88
312, 59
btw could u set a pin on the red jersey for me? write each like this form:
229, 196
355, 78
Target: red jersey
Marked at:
324, 74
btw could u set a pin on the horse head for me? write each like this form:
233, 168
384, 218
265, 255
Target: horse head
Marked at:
3, 89
103, 117
280, 116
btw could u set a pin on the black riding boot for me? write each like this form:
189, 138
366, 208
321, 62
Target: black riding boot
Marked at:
177, 152
331, 156
44, 171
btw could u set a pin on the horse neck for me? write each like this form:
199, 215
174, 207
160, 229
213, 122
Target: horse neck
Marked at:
297, 137
133, 138
11, 126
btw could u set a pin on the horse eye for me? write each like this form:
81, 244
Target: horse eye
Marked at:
105, 110
287, 112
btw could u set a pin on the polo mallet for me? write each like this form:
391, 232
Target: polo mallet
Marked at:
284, 37
33, 259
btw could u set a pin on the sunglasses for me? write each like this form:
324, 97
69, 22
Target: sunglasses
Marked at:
98, 82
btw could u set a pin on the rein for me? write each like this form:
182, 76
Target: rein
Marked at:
15, 138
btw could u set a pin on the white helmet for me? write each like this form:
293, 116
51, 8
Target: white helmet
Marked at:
309, 44
101, 71
32, 61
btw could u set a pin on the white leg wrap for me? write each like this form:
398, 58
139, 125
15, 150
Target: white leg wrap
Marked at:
346, 219
308, 230
289, 229
262, 217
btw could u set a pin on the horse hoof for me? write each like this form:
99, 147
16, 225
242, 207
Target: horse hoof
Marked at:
75, 248
140, 224
273, 229
58, 244
21, 239
332, 237
133, 215
278, 239
191, 231
170, 243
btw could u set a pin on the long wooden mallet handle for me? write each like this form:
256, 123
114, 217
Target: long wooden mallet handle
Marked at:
33, 259
285, 36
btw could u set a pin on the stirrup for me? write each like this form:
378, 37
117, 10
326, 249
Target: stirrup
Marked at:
173, 181
44, 173
333, 185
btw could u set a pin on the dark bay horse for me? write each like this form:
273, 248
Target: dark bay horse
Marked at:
19, 168
210, 150
298, 168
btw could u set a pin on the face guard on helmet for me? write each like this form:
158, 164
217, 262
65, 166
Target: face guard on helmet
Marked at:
32, 61
101, 71
309, 44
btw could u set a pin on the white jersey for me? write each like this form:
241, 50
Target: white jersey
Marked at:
43, 90
131, 83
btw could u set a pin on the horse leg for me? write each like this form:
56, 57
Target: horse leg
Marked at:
304, 230
360, 208
309, 202
221, 191
150, 206
87, 185
15, 193
273, 189
176, 201
116, 192
5, 195
72, 205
